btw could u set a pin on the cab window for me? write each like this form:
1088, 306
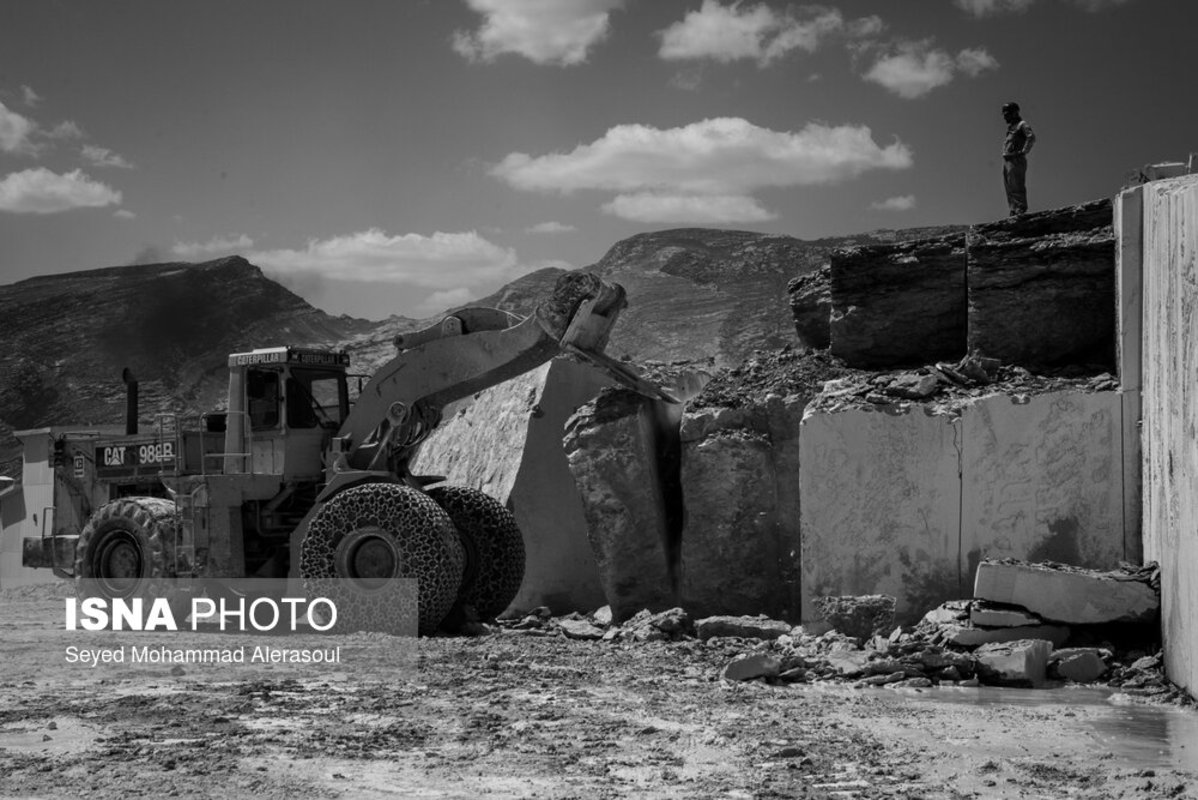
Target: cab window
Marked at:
315, 398
262, 389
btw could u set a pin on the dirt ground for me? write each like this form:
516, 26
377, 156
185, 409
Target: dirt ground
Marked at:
522, 714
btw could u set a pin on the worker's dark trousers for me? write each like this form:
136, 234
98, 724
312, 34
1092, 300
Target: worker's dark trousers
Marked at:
1014, 178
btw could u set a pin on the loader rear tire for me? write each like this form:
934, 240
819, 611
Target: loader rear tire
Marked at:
127, 551
368, 535
494, 548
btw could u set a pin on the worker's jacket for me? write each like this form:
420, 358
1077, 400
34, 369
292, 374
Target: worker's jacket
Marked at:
1020, 139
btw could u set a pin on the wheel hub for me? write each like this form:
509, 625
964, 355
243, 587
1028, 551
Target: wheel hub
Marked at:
368, 557
118, 565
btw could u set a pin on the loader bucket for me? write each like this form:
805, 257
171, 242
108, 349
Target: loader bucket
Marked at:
582, 314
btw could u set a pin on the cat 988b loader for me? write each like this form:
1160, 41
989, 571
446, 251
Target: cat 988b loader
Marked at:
292, 481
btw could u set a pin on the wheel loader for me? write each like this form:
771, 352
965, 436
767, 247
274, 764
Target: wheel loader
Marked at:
291, 480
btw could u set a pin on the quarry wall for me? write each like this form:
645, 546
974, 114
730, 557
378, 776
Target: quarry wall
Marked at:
1167, 265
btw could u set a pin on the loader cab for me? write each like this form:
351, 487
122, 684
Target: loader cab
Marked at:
285, 405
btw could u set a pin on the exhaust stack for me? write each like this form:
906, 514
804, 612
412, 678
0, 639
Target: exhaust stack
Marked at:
130, 401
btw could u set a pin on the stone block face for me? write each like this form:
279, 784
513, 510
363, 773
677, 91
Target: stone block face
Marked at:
811, 306
986, 615
612, 448
1019, 663
899, 304
1042, 479
881, 502
1170, 406
1042, 288
1070, 596
740, 539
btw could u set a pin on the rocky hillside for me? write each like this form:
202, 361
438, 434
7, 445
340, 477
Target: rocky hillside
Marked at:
67, 338
694, 294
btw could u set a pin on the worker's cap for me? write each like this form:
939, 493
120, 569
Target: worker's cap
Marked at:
1010, 107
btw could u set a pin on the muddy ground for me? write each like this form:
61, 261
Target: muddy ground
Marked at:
522, 714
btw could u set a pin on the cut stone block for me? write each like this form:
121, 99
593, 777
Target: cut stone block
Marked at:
969, 636
507, 442
1042, 287
743, 627
1069, 595
1019, 663
740, 541
993, 617
899, 304
1077, 664
611, 445
859, 617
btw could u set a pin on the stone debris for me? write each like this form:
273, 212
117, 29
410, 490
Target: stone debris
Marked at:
944, 386
1066, 594
989, 615
1078, 664
918, 657
752, 665
743, 627
860, 617
974, 635
1023, 662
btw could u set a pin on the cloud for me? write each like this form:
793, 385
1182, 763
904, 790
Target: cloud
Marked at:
103, 157
215, 247
723, 160
557, 32
904, 202
122, 213
68, 129
15, 131
736, 31
985, 8
696, 209
550, 227
30, 97
439, 262
443, 300
40, 191
912, 69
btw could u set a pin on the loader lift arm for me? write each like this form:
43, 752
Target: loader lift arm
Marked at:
472, 350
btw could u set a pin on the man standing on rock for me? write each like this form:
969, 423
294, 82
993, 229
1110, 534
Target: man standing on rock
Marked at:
1015, 148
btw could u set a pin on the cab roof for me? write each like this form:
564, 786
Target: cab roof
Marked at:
304, 356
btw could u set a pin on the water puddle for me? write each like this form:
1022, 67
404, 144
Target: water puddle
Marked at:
68, 735
1123, 729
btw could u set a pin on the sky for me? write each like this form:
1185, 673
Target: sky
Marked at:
404, 156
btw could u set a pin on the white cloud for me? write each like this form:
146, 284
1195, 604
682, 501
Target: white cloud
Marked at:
985, 8
103, 157
215, 247
559, 32
122, 213
695, 209
912, 69
734, 32
15, 131
441, 262
40, 191
550, 227
67, 129
974, 61
724, 156
30, 97
704, 171
904, 202
442, 300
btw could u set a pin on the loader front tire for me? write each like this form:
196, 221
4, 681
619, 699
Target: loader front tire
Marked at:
366, 536
127, 551
494, 548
